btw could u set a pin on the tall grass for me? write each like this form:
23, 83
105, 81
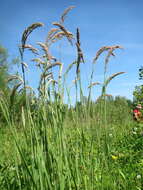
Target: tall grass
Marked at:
56, 151
57, 147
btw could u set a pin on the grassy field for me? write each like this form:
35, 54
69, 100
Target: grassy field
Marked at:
46, 144
69, 149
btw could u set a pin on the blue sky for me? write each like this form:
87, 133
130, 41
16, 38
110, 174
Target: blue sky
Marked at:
101, 23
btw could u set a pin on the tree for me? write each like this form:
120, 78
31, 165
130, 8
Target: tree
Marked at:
141, 73
138, 92
3, 68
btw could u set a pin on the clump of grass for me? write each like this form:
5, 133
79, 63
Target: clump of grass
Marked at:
60, 147
25, 35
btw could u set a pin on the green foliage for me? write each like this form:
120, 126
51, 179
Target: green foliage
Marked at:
130, 157
138, 94
53, 150
141, 73
3, 68
138, 91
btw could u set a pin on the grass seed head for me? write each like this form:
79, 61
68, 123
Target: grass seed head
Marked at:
53, 65
31, 48
106, 48
66, 12
51, 33
28, 31
14, 77
94, 84
66, 32
24, 64
43, 46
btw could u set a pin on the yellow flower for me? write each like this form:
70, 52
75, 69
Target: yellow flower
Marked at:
114, 157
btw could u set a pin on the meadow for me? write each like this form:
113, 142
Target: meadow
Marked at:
47, 144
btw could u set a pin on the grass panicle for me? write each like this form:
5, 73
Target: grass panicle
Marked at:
66, 11
68, 34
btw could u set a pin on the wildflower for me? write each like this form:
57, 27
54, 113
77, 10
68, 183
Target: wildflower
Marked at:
110, 135
138, 176
114, 157
134, 132
12, 168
